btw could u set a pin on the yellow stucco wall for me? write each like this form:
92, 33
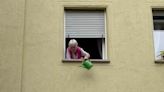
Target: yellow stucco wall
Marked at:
11, 43
32, 42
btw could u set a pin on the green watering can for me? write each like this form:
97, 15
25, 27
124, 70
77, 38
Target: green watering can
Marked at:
87, 64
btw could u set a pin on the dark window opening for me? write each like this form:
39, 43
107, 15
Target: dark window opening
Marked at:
158, 19
91, 45
158, 25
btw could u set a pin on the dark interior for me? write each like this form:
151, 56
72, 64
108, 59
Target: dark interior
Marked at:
89, 45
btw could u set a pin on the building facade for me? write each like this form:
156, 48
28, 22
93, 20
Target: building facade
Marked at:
33, 40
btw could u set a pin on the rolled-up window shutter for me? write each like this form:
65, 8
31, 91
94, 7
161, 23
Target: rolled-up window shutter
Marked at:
84, 24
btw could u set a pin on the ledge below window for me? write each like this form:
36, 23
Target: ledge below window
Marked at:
159, 61
79, 61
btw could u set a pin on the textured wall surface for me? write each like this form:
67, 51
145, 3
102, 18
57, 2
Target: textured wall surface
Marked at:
130, 48
11, 44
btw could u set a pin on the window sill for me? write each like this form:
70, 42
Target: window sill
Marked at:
159, 61
79, 61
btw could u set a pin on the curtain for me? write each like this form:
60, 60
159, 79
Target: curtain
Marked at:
99, 45
158, 42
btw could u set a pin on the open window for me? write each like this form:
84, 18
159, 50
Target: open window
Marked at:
88, 28
158, 20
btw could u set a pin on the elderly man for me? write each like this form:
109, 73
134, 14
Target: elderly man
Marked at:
75, 52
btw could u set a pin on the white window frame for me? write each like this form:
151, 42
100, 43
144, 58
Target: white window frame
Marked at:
104, 44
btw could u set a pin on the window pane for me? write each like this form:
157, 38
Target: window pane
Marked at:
158, 19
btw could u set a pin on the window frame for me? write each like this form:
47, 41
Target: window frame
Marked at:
158, 61
104, 44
